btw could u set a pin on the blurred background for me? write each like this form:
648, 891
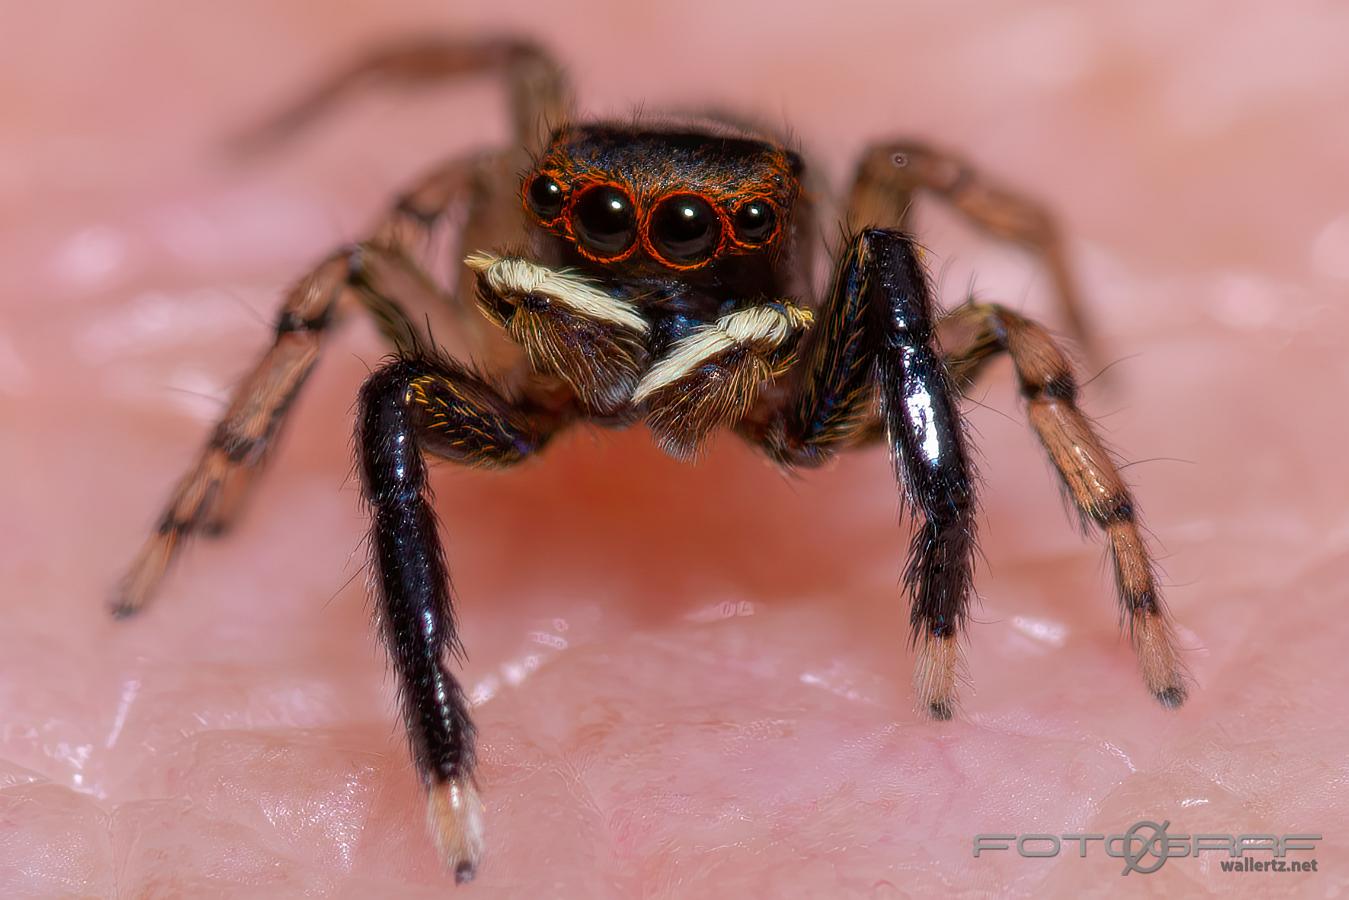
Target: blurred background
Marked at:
692, 681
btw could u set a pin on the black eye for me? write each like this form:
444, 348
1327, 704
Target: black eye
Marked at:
605, 220
754, 221
545, 197
685, 229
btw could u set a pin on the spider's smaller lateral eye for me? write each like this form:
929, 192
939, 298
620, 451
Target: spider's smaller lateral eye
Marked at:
545, 197
754, 221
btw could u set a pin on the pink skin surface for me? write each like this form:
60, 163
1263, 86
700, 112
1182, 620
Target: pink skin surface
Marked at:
692, 681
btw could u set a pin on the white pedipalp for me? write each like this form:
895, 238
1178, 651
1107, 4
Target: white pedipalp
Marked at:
512, 277
765, 328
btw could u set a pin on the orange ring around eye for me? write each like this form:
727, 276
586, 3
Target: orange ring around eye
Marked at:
527, 185
772, 235
648, 245
569, 219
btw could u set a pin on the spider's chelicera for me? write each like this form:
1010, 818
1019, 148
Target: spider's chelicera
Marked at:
661, 274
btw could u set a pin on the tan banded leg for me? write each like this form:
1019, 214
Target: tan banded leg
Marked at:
890, 175
239, 441
210, 495
539, 95
1088, 470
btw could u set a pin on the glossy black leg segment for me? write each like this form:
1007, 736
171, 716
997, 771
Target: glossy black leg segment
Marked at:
875, 337
921, 409
409, 407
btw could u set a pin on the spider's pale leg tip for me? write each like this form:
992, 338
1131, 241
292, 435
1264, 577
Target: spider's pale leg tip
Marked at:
1173, 697
120, 609
1158, 658
127, 600
216, 526
137, 587
454, 818
934, 675
941, 710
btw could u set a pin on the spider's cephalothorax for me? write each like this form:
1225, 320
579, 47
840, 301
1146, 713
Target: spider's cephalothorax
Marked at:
655, 284
662, 274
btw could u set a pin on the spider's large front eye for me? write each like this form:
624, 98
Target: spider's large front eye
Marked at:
545, 197
605, 220
685, 229
754, 221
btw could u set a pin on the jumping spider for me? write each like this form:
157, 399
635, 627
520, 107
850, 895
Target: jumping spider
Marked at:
662, 274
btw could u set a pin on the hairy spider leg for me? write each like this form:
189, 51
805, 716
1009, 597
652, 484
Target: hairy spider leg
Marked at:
411, 406
210, 494
539, 95
211, 490
891, 175
539, 98
875, 335
1089, 473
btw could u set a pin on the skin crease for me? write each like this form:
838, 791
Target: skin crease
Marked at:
694, 680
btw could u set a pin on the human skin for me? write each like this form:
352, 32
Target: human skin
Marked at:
692, 681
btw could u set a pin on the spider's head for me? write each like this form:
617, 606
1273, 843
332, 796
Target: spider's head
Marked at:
652, 200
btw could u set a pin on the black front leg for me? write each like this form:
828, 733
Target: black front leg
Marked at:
873, 341
921, 408
407, 408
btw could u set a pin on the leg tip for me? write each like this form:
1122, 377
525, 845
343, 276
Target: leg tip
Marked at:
934, 675
454, 818
137, 587
215, 528
941, 710
120, 610
1171, 697
1158, 657
124, 604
